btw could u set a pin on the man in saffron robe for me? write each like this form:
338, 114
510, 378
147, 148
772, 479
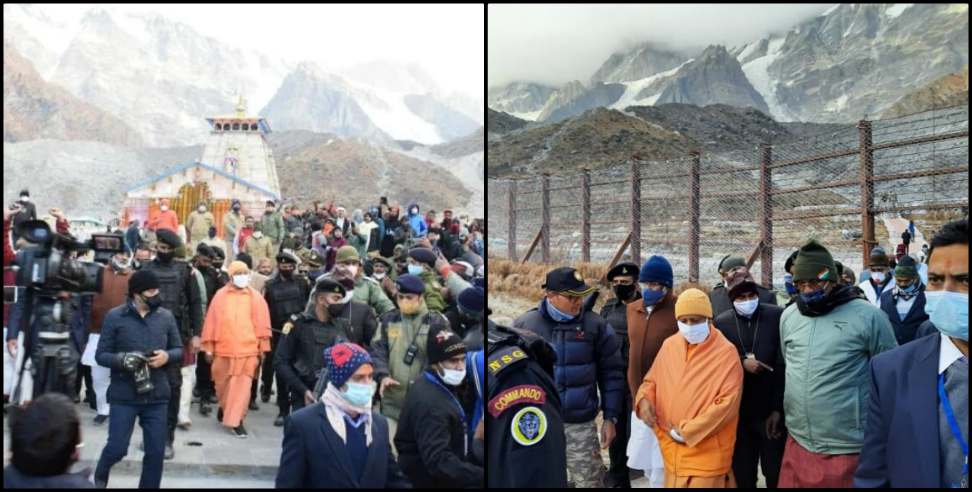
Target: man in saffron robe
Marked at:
236, 338
691, 397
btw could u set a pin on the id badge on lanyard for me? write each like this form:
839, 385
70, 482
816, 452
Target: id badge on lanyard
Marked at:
953, 425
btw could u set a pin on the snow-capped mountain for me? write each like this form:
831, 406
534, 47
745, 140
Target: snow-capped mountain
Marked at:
856, 59
311, 99
160, 77
163, 78
645, 60
851, 61
524, 100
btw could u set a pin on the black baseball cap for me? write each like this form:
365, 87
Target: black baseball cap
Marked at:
626, 269
567, 281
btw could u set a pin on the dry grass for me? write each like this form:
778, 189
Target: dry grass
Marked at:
523, 281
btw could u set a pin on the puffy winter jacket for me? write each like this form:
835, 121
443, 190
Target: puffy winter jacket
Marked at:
588, 359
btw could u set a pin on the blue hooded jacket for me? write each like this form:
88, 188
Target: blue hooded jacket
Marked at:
417, 221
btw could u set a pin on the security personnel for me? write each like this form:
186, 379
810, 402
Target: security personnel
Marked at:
181, 295
286, 294
623, 278
300, 356
525, 439
731, 267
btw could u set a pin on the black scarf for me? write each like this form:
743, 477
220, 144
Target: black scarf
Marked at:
840, 295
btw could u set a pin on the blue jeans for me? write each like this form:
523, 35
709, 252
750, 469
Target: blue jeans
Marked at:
121, 423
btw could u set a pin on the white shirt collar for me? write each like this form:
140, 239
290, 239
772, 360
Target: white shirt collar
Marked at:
948, 353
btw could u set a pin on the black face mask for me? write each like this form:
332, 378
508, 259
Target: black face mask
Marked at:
153, 302
286, 273
624, 292
335, 309
218, 266
165, 257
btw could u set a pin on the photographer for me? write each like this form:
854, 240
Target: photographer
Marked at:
137, 340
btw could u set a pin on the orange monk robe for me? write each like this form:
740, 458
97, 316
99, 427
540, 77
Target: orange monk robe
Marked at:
236, 332
697, 390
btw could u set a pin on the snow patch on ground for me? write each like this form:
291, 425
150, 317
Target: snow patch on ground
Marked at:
387, 110
830, 10
750, 48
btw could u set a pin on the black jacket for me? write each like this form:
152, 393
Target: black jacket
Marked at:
719, 297
762, 393
615, 312
124, 330
520, 366
300, 354
432, 440
458, 324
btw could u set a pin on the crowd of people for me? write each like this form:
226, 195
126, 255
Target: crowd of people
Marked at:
835, 384
370, 326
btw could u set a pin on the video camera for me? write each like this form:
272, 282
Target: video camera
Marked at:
47, 266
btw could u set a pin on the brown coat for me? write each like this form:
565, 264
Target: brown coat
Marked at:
113, 293
647, 335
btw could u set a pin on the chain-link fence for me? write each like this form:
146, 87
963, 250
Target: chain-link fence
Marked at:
852, 190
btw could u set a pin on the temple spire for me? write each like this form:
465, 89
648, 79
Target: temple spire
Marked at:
241, 107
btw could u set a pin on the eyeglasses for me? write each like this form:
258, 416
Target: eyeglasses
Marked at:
812, 284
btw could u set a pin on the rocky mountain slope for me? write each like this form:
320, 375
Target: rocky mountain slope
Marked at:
35, 109
950, 90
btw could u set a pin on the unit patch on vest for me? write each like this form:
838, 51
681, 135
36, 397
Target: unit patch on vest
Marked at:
529, 426
518, 394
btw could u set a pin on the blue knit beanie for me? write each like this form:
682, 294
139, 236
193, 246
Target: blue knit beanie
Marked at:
342, 360
657, 269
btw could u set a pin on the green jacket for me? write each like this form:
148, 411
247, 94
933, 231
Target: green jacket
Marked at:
827, 373
389, 346
231, 223
273, 227
360, 243
368, 291
433, 294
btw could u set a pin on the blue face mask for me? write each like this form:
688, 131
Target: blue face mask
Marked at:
949, 312
415, 269
557, 315
359, 394
652, 296
911, 289
788, 282
813, 297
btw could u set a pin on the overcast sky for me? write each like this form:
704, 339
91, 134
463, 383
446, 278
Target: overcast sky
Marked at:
447, 40
554, 44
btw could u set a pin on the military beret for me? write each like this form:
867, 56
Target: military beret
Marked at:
410, 284
326, 285
623, 269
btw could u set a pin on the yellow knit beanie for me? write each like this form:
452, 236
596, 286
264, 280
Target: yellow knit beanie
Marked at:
693, 301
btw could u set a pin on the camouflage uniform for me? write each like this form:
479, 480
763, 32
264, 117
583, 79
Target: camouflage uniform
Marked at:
584, 463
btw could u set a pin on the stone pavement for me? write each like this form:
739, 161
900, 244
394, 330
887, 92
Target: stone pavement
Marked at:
206, 455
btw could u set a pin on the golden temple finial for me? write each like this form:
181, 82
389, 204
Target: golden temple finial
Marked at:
241, 107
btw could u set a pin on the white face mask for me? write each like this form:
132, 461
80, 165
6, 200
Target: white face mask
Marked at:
241, 281
746, 308
694, 334
165, 207
202, 209
379, 275
258, 234
453, 377
877, 277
